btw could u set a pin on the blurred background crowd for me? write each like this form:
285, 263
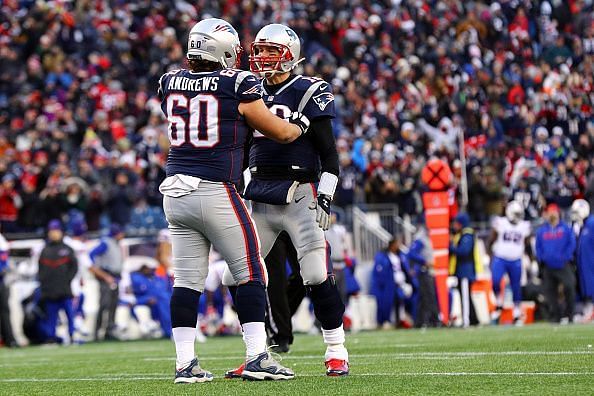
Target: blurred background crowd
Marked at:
81, 128
501, 90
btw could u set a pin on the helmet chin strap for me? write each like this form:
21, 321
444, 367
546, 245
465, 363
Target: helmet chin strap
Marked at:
298, 62
268, 74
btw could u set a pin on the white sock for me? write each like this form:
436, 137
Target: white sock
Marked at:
500, 300
465, 302
334, 340
184, 345
517, 311
254, 336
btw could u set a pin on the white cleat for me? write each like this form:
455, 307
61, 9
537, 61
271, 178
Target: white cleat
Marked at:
192, 374
264, 367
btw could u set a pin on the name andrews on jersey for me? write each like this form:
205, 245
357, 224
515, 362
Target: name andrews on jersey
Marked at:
188, 84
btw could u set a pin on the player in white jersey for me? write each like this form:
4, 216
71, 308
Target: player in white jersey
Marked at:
507, 244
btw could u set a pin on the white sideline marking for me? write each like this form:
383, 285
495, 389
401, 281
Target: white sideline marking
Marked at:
404, 355
155, 377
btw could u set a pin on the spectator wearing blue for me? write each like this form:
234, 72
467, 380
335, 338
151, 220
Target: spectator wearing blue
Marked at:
146, 218
359, 156
390, 282
463, 265
107, 267
555, 247
5, 327
153, 291
420, 259
57, 268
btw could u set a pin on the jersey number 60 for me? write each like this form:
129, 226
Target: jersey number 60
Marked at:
199, 126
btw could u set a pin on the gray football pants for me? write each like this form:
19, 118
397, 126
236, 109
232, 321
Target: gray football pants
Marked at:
212, 214
298, 219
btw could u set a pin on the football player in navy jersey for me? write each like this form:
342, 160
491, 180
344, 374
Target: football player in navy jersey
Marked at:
292, 185
209, 109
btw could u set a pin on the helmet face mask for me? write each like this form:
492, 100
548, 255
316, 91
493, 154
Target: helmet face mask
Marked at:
269, 65
275, 49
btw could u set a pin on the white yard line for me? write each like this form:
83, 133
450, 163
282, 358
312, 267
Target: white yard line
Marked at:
160, 376
412, 355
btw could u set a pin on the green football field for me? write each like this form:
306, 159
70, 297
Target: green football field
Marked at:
539, 359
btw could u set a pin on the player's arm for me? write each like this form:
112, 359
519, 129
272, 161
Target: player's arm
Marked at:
415, 253
160, 93
490, 241
322, 136
323, 139
260, 118
73, 267
528, 248
3, 261
94, 269
538, 248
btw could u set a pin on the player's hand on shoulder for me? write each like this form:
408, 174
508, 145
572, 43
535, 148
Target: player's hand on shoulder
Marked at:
300, 120
323, 211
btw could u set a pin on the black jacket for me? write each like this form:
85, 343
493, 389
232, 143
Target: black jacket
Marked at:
57, 268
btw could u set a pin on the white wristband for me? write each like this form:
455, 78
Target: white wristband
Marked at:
327, 185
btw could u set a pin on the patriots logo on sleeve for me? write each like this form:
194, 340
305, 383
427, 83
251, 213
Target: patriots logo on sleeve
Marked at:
256, 89
323, 99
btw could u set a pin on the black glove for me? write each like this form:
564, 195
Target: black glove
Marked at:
300, 120
323, 211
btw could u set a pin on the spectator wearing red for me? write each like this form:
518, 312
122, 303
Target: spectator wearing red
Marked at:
10, 203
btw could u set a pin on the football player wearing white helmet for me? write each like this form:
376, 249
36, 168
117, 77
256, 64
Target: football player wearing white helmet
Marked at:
506, 245
292, 186
210, 109
584, 227
579, 212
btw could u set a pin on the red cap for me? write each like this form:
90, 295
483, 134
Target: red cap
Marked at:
552, 207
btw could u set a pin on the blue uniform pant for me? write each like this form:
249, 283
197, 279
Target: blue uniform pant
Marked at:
52, 310
385, 304
585, 271
162, 312
513, 269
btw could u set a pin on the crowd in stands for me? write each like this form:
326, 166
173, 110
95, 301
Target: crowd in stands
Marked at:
81, 128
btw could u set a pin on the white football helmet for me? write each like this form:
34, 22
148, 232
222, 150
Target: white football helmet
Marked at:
514, 211
285, 40
580, 210
214, 40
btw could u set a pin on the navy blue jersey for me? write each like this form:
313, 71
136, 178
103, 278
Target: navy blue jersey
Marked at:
315, 95
206, 131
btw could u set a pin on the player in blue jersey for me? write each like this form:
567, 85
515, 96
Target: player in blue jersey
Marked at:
210, 108
292, 185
